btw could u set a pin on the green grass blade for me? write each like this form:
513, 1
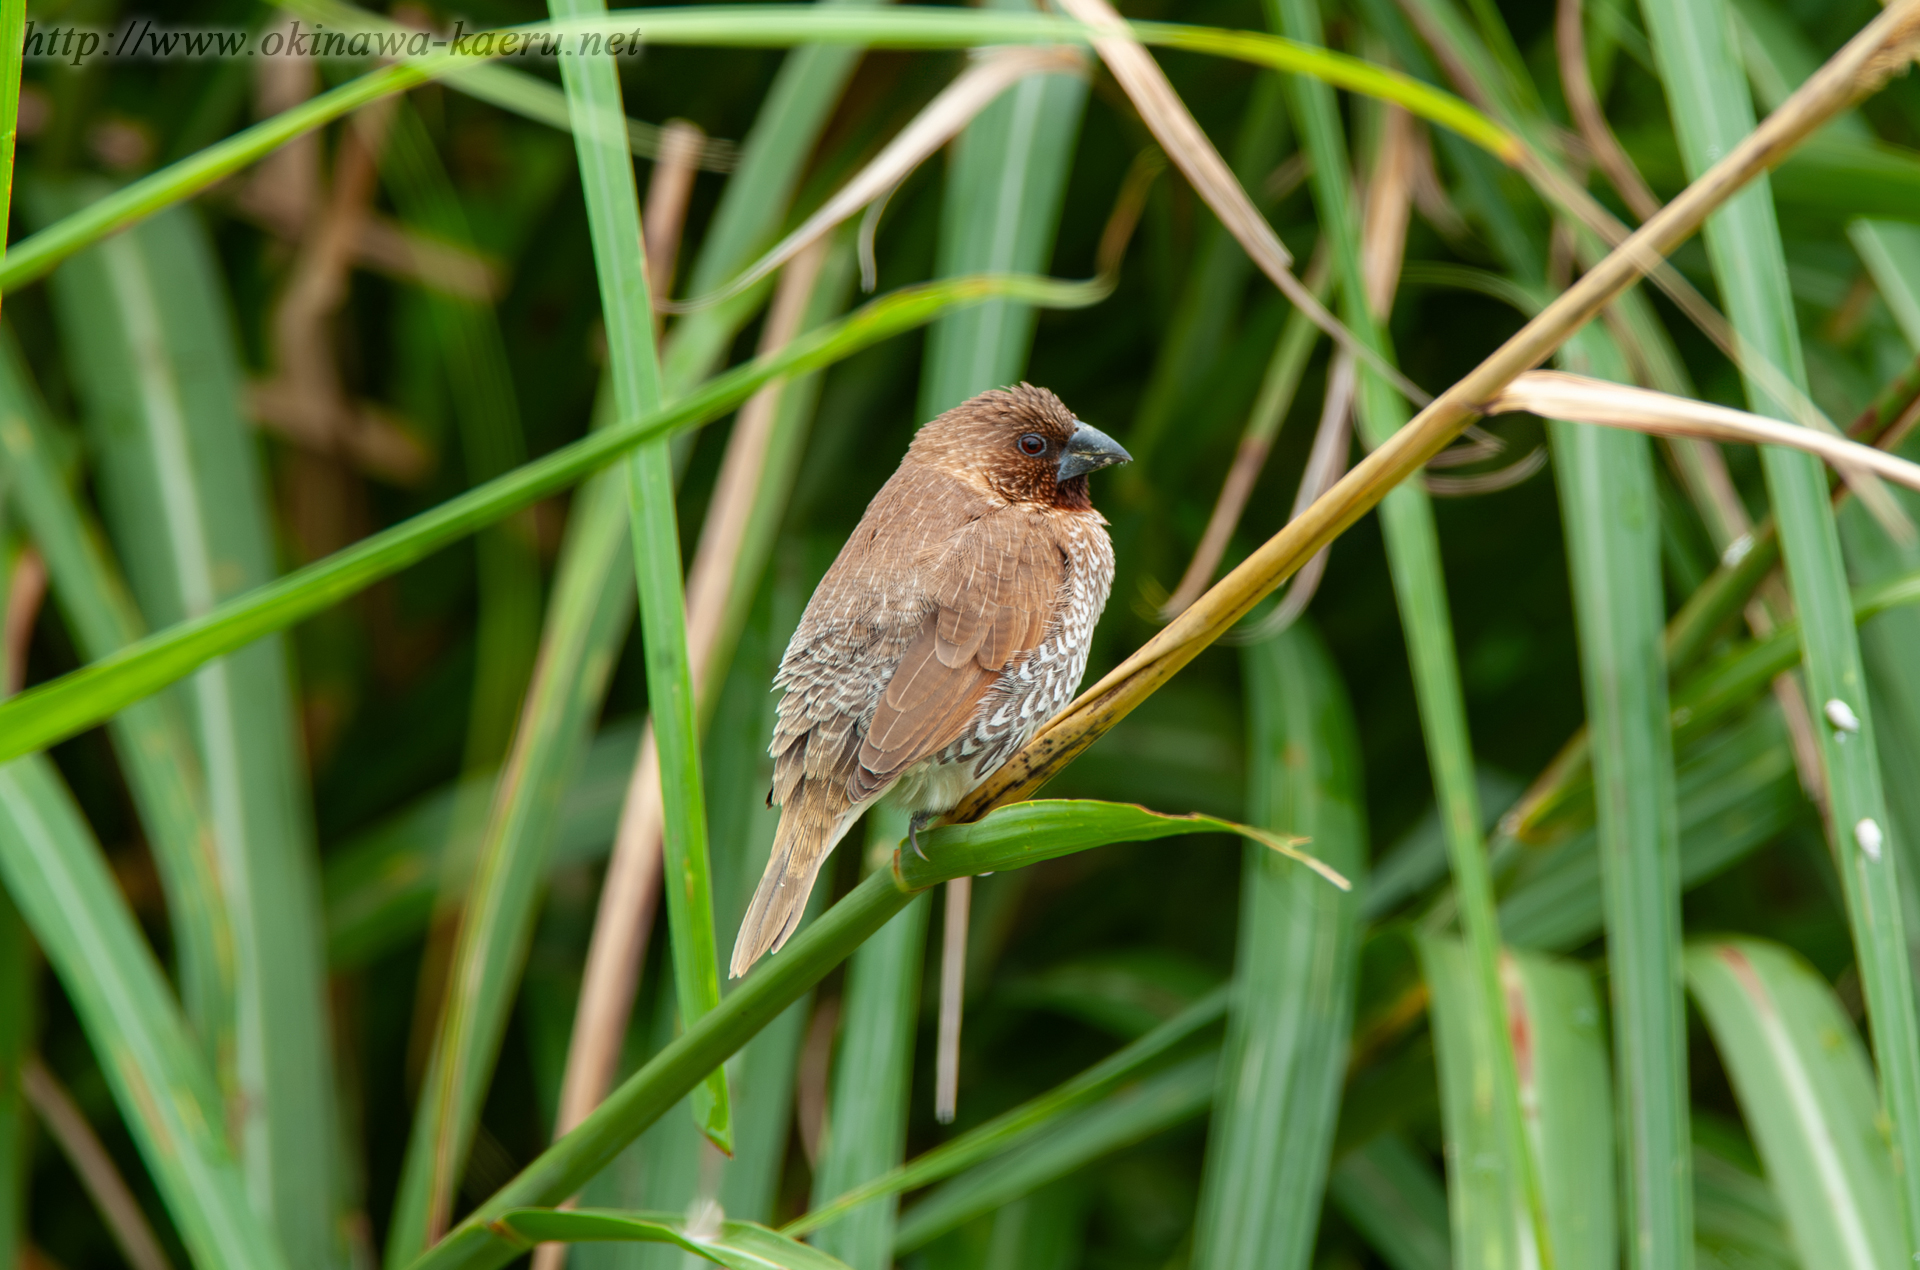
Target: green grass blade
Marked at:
1039, 829
525, 95
1808, 1097
480, 384
1484, 1197
613, 213
1012, 1128
785, 133
737, 1245
672, 1073
149, 339
56, 873
1390, 1195
1607, 502
1133, 1114
1413, 553
151, 740
1003, 195
866, 1128
55, 710
16, 1044
1565, 1086
380, 884
1711, 109
1736, 1219
1294, 971
13, 35
733, 26
586, 622
1737, 791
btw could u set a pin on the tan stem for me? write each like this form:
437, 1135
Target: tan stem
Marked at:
667, 194
68, 1126
25, 590
1570, 40
953, 991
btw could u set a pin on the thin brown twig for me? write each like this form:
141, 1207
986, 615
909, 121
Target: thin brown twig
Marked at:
1173, 125
1885, 46
1570, 40
67, 1124
25, 590
667, 193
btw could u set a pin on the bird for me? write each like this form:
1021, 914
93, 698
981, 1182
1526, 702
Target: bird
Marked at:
954, 622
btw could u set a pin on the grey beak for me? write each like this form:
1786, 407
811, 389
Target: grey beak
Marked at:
1089, 450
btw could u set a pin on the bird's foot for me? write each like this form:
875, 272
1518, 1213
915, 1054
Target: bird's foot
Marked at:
914, 826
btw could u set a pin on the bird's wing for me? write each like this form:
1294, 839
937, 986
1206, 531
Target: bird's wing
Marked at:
994, 591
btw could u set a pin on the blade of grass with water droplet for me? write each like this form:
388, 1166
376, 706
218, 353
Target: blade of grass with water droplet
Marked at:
1294, 971
1712, 108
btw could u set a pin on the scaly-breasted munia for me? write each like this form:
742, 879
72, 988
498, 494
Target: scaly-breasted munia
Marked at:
954, 622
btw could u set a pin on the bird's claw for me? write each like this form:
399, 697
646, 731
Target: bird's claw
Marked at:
913, 835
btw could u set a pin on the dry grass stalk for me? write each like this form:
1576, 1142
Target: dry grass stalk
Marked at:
629, 896
1886, 45
119, 1211
1387, 209
1556, 394
667, 193
953, 988
938, 123
1570, 41
1256, 442
1174, 127
25, 590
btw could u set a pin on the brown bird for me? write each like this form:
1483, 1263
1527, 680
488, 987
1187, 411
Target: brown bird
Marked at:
955, 622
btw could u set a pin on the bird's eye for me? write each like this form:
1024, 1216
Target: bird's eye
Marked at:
1033, 443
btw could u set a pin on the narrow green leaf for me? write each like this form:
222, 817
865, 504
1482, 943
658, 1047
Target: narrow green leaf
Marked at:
1560, 1041
151, 740
1131, 1115
1737, 791
738, 1245
1013, 1128
1389, 1194
1712, 109
735, 26
52, 711
506, 630
650, 1092
613, 215
379, 885
866, 1126
1484, 1190
1413, 555
16, 1043
1736, 1220
1608, 506
13, 36
150, 341
586, 621
56, 873
1808, 1098
1294, 972
1026, 833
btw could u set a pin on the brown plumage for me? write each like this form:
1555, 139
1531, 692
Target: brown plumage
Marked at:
954, 622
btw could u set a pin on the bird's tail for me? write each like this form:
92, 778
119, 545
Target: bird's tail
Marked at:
812, 821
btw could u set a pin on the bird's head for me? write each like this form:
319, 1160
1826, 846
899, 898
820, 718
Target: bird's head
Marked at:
1021, 444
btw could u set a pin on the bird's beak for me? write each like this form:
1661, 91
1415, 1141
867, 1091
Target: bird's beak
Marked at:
1089, 450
